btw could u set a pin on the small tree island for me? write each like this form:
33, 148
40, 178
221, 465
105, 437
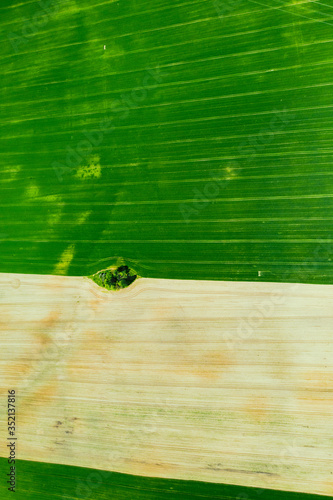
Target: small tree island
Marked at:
116, 279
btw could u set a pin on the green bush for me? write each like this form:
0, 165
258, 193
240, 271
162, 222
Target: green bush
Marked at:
122, 277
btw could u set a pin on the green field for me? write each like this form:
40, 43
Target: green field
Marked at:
61, 482
184, 92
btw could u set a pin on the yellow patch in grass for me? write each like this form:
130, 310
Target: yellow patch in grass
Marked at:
92, 170
65, 260
32, 191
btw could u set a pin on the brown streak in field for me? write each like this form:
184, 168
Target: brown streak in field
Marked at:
257, 408
44, 395
49, 322
319, 380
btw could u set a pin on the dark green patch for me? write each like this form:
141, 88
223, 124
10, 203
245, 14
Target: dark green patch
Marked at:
120, 278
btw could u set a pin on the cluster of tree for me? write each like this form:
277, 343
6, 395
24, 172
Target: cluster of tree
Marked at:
122, 277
